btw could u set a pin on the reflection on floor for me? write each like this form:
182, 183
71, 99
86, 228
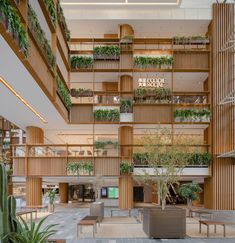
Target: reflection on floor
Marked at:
119, 227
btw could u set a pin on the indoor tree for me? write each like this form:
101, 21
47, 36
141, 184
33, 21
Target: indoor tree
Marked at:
166, 158
190, 192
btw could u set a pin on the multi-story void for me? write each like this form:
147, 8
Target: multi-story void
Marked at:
87, 81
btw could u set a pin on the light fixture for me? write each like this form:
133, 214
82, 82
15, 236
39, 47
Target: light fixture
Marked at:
9, 87
126, 3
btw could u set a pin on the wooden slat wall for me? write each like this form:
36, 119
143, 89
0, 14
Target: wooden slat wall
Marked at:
126, 83
33, 191
125, 192
191, 60
152, 114
82, 114
107, 166
220, 189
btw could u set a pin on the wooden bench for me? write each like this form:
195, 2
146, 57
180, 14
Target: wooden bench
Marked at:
200, 212
88, 221
57, 240
215, 223
121, 210
26, 212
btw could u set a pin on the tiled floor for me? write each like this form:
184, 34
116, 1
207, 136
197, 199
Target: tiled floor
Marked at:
121, 229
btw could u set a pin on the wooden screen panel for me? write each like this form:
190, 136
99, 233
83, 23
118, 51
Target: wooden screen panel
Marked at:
152, 114
19, 166
191, 60
107, 166
126, 138
110, 86
34, 135
47, 166
126, 30
82, 114
33, 191
126, 61
100, 64
220, 188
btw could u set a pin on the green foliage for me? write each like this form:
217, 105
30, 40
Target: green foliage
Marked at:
63, 92
104, 144
197, 159
192, 114
112, 115
33, 233
8, 221
152, 95
14, 25
62, 22
126, 105
76, 168
126, 168
191, 39
189, 191
200, 159
81, 92
50, 5
155, 62
40, 36
51, 195
81, 62
106, 52
128, 37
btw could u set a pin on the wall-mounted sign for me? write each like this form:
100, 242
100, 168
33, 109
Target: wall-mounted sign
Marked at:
151, 82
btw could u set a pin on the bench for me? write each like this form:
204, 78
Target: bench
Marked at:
215, 223
26, 212
57, 240
121, 210
88, 221
42, 208
200, 212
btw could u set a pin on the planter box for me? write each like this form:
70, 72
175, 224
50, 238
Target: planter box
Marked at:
165, 224
126, 117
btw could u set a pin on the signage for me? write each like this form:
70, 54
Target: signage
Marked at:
151, 82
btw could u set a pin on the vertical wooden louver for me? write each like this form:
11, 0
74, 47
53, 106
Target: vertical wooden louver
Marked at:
220, 188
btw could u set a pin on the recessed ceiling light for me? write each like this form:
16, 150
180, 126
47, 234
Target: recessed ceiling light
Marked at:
9, 87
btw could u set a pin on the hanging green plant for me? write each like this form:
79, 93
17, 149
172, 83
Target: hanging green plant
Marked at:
112, 115
81, 92
13, 23
144, 62
77, 168
126, 168
62, 22
50, 5
40, 36
186, 40
81, 62
104, 144
106, 52
192, 115
63, 92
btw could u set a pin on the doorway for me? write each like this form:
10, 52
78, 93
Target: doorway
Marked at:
138, 194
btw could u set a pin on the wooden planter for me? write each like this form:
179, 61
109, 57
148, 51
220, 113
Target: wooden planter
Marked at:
165, 224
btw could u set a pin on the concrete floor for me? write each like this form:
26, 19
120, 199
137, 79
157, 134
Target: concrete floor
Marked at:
121, 229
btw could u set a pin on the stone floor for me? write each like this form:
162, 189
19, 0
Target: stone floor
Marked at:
121, 229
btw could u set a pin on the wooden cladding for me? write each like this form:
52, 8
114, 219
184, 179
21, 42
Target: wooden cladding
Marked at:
126, 83
82, 114
33, 191
126, 138
152, 114
35, 135
191, 60
220, 189
107, 166
126, 30
64, 192
125, 192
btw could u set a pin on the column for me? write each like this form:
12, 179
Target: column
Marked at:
34, 135
63, 192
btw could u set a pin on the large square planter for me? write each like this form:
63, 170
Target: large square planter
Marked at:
126, 117
165, 224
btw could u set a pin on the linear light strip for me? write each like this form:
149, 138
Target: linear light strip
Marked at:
9, 87
120, 4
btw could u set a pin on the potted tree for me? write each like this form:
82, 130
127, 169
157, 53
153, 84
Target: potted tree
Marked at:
190, 192
166, 160
51, 195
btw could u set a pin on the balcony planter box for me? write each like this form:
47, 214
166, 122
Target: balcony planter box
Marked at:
106, 57
165, 224
126, 117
